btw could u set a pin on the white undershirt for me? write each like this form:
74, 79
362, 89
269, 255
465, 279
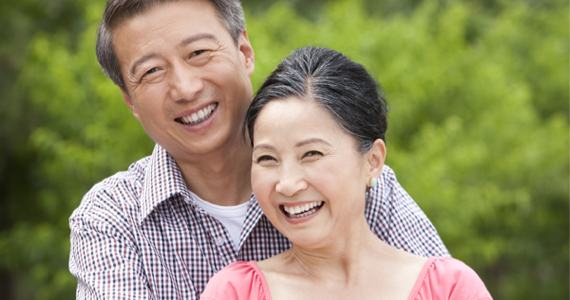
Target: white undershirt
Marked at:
231, 216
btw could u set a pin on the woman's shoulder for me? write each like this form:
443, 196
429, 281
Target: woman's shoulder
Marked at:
237, 269
449, 279
451, 268
239, 280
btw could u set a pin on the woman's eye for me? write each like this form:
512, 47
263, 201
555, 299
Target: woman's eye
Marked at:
265, 158
312, 154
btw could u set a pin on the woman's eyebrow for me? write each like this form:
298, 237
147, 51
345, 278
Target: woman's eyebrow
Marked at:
312, 140
298, 144
263, 146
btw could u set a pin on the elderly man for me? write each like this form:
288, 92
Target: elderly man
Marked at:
162, 228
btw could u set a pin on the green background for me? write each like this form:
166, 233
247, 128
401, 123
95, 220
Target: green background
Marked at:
478, 125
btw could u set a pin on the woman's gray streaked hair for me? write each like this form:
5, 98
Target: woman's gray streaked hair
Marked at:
343, 87
230, 13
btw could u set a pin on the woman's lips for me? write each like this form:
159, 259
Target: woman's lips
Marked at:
302, 210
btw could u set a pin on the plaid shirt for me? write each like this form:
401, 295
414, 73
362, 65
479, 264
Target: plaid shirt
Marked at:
138, 234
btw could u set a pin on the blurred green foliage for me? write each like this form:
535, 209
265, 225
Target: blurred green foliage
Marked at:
478, 129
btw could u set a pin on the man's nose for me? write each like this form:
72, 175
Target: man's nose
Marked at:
291, 181
186, 83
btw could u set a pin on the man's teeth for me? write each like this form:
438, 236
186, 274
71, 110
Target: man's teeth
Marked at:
303, 210
199, 116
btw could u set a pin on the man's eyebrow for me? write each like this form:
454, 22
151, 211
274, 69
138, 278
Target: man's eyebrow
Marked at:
312, 140
183, 43
140, 61
194, 38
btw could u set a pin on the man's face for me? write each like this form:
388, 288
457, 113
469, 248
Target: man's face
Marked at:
186, 81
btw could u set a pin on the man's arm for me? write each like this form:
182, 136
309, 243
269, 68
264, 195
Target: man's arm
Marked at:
394, 217
103, 257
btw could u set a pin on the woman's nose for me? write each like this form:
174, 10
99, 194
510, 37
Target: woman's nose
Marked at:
291, 181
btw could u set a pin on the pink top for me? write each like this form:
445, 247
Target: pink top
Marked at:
440, 279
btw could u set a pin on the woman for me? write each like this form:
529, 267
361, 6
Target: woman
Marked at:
317, 129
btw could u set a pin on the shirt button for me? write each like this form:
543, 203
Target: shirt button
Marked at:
219, 241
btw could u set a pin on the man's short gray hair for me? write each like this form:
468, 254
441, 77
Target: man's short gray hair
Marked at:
230, 13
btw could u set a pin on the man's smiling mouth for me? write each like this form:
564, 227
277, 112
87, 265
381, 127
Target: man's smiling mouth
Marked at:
198, 116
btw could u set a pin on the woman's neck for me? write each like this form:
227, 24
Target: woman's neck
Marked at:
353, 267
340, 259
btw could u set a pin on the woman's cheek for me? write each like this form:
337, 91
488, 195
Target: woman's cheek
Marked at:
260, 184
263, 183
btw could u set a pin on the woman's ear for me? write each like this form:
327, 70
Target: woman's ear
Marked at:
375, 158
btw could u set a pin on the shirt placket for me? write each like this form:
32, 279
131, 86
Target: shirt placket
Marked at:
219, 238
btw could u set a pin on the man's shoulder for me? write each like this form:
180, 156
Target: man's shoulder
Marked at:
396, 218
114, 193
392, 197
389, 189
388, 176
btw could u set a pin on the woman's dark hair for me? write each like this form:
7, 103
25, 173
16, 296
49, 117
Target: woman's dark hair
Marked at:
344, 88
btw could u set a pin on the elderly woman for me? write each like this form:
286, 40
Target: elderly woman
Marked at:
317, 129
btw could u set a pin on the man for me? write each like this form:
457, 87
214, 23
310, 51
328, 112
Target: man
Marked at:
162, 228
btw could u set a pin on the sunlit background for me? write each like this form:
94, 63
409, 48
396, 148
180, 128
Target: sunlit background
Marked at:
478, 126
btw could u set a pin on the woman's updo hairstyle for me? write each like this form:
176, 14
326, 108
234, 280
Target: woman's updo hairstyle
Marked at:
344, 88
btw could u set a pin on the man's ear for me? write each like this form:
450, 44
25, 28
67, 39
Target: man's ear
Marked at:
375, 158
129, 103
246, 50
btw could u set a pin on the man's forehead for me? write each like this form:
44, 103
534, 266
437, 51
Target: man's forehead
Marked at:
136, 15
162, 26
171, 16
120, 11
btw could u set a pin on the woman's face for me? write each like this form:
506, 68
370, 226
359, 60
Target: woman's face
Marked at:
307, 175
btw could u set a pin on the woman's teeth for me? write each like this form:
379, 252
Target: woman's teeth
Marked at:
198, 116
302, 210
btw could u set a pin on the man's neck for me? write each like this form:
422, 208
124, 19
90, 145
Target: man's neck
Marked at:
222, 177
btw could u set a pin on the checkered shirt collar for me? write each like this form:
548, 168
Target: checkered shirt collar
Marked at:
163, 180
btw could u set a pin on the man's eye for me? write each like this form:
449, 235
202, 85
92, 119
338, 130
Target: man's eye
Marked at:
196, 53
312, 154
265, 158
151, 71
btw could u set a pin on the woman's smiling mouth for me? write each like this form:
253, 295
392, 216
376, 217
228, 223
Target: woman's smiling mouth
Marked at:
303, 210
